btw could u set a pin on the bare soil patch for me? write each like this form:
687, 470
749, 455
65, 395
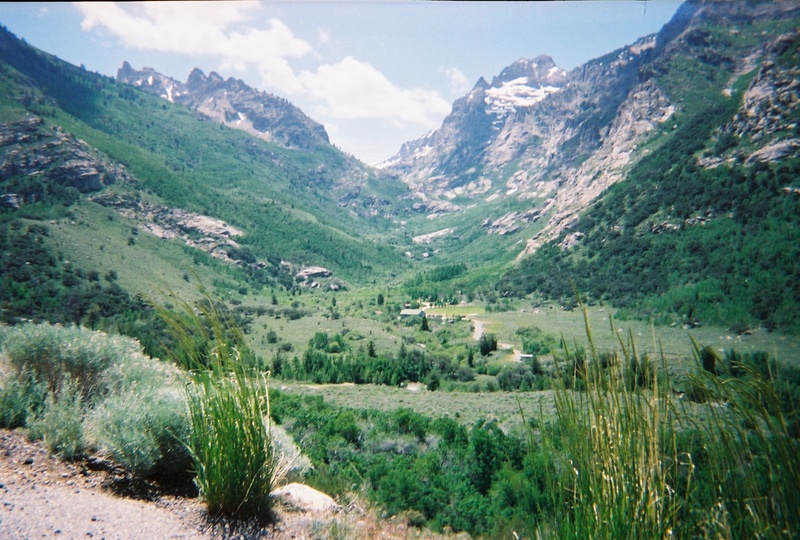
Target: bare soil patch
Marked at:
44, 497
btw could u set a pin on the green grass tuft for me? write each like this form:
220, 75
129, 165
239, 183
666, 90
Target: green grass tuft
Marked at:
230, 441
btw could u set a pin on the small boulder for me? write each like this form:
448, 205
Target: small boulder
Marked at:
305, 498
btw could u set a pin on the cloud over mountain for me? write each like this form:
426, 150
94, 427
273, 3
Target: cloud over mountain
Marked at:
240, 40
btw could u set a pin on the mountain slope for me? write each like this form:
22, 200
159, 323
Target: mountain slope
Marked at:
555, 154
151, 159
704, 226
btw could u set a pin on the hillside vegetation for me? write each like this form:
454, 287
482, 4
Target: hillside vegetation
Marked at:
282, 200
677, 241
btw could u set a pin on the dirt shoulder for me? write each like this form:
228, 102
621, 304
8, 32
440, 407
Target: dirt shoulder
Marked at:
43, 497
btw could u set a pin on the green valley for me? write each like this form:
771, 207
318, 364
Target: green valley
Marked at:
573, 317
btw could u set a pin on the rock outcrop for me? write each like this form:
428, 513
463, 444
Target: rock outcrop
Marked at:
34, 155
233, 103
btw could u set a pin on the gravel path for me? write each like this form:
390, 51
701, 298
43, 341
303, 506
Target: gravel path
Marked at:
42, 497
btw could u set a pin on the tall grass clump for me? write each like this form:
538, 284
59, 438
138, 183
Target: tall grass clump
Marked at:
752, 450
636, 459
229, 414
621, 474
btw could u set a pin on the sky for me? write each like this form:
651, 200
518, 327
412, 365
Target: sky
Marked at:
375, 73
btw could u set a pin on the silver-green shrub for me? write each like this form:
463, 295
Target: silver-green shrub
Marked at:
142, 422
60, 422
83, 391
54, 352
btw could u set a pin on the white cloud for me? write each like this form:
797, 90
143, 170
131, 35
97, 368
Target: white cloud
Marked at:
352, 89
323, 35
203, 28
458, 81
234, 33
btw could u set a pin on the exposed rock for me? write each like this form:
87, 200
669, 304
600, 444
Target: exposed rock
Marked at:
663, 227
511, 222
233, 103
205, 225
305, 498
428, 238
211, 235
776, 151
10, 200
774, 94
313, 271
28, 148
571, 240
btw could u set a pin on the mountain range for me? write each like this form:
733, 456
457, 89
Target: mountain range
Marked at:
660, 178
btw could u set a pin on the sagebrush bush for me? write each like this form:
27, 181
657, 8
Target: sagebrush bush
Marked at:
145, 430
83, 391
20, 397
143, 421
55, 352
60, 422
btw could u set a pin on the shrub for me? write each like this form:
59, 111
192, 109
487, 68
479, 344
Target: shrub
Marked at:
60, 423
53, 353
487, 344
516, 377
144, 430
81, 390
20, 397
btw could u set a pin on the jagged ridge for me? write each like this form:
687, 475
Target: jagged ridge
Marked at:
233, 103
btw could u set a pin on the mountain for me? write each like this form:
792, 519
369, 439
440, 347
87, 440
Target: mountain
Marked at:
701, 226
105, 179
630, 176
659, 178
233, 103
555, 141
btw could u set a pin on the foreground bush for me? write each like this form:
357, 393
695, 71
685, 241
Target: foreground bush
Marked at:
55, 353
82, 391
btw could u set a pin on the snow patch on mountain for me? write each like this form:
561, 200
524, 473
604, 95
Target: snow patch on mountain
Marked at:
516, 93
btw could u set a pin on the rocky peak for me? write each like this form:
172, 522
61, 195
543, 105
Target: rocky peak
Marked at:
196, 80
215, 78
234, 103
539, 71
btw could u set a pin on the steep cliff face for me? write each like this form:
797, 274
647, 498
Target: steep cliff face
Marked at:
558, 140
771, 105
232, 102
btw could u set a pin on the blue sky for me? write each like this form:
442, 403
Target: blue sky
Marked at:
375, 73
